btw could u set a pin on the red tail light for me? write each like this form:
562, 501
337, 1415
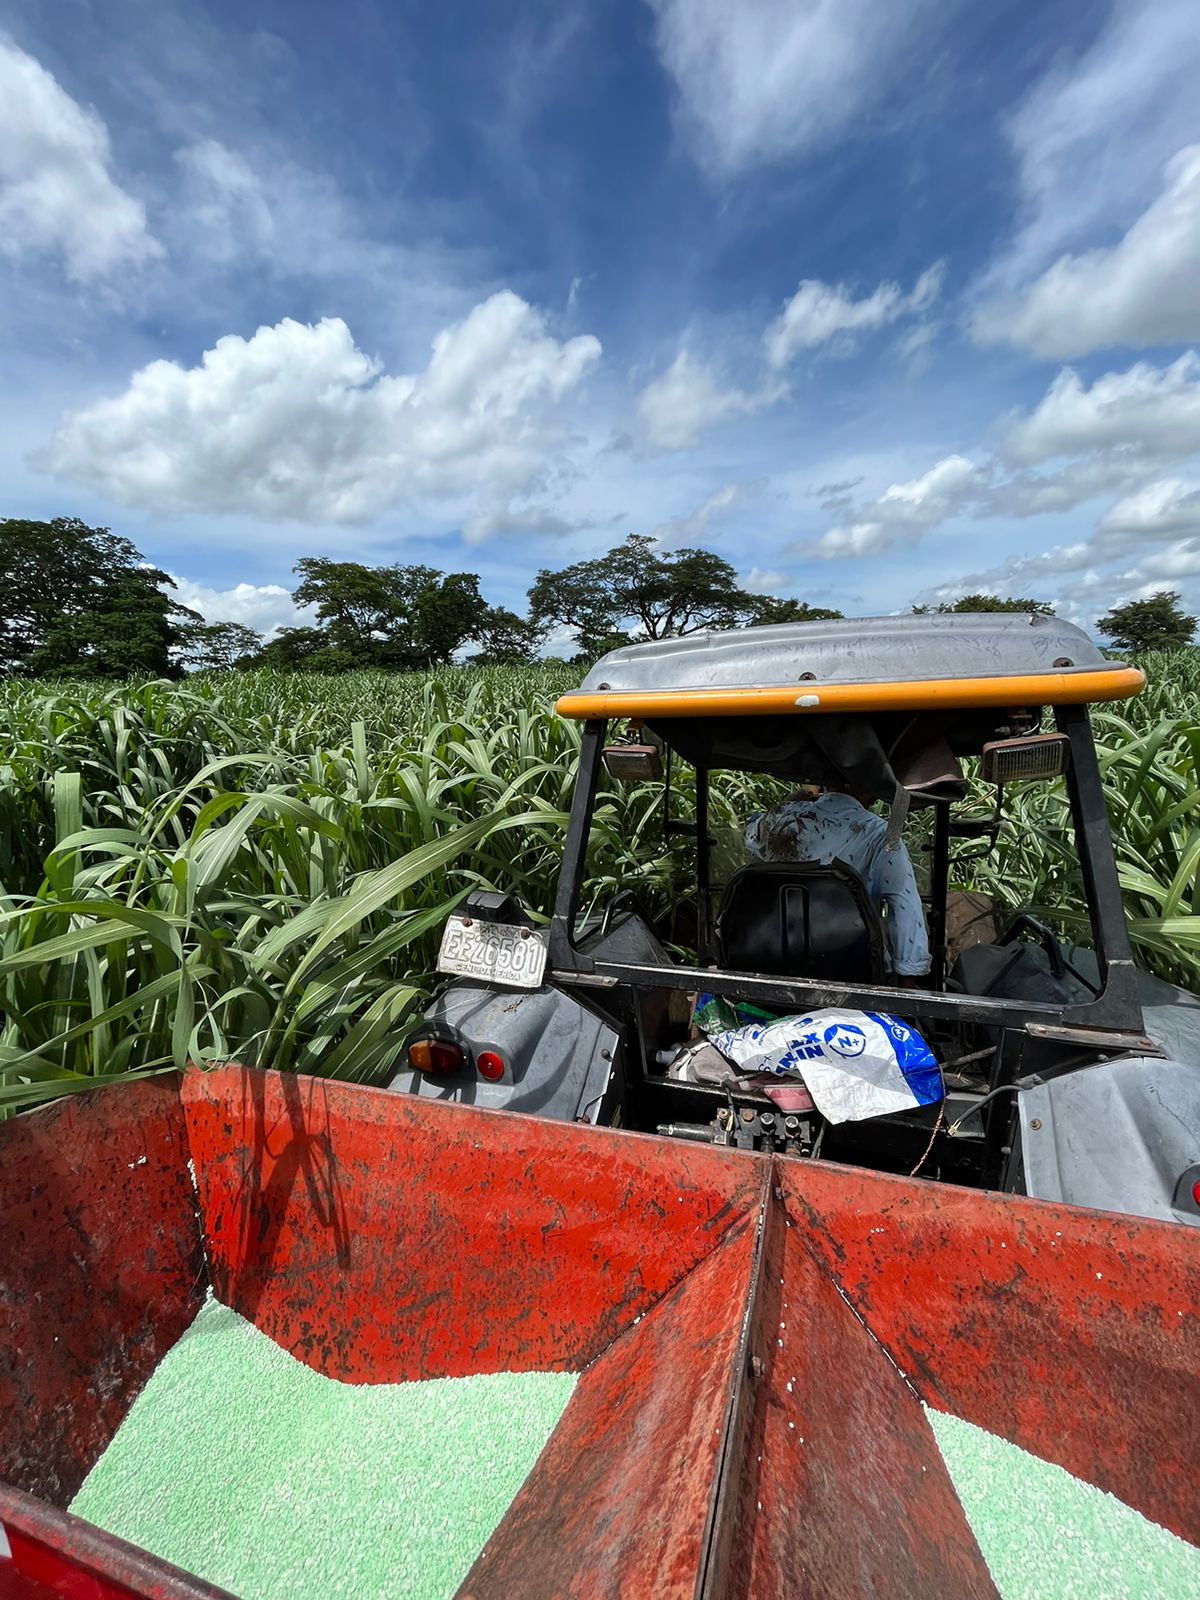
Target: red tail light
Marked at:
491, 1066
436, 1055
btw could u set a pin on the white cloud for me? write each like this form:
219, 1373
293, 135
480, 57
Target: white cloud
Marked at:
537, 520
1181, 560
764, 581
761, 79
1144, 290
820, 311
698, 524
57, 194
297, 422
688, 398
1166, 509
224, 205
1092, 136
906, 510
266, 607
1151, 409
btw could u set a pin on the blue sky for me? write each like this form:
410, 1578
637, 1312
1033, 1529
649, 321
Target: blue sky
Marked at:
881, 299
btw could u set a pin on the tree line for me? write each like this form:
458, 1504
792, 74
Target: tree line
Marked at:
80, 601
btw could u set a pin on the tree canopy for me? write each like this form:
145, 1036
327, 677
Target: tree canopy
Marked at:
218, 646
79, 601
985, 602
772, 610
1156, 623
404, 617
665, 593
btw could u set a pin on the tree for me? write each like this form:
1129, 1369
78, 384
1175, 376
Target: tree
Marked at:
1157, 623
402, 617
985, 602
772, 610
359, 605
218, 646
52, 573
129, 630
504, 638
580, 598
669, 593
300, 649
447, 613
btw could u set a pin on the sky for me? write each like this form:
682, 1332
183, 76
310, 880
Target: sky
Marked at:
883, 300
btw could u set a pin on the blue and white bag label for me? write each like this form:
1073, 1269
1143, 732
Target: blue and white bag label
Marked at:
855, 1064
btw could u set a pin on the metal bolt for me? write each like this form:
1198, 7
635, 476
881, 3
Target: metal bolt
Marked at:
467, 923
525, 933
1036, 1124
606, 1055
791, 1124
747, 1115
768, 1121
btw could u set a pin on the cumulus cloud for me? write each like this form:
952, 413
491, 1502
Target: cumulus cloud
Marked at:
905, 511
1120, 435
297, 422
818, 312
1144, 290
266, 607
689, 397
762, 79
760, 580
1079, 444
57, 193
1166, 509
1151, 409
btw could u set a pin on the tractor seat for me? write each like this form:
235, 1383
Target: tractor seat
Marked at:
801, 919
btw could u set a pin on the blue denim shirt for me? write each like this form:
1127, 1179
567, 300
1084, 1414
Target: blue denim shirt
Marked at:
836, 826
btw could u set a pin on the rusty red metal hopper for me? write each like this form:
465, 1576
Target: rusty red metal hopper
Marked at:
755, 1337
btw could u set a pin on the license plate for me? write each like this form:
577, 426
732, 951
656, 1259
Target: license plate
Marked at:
493, 952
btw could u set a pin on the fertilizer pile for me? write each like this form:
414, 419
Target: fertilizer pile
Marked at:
241, 1465
1044, 1532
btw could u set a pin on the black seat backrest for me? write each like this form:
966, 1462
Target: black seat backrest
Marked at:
801, 919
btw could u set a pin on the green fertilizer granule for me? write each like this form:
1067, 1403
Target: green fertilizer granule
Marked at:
1046, 1535
243, 1466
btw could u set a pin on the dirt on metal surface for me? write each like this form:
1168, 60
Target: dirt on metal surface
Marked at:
755, 1335
101, 1270
621, 1490
840, 1488
1075, 1334
379, 1237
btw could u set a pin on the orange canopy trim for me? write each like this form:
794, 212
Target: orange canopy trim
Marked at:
931, 694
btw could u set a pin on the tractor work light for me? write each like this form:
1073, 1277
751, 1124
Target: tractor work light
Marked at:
1033, 759
633, 763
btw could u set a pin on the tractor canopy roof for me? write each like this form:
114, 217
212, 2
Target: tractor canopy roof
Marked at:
938, 663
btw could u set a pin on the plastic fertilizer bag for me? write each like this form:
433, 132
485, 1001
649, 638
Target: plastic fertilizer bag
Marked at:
855, 1064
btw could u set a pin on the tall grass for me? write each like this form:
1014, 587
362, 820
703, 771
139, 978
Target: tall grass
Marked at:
258, 866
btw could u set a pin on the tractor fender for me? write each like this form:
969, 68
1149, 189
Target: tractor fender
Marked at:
1119, 1136
558, 1056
